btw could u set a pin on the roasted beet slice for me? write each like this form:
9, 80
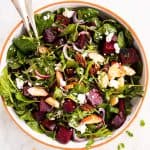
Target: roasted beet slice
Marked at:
44, 107
108, 47
59, 41
62, 19
39, 116
118, 120
49, 35
128, 56
64, 135
94, 97
81, 41
49, 124
69, 106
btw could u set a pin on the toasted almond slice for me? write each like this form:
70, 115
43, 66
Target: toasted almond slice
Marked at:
37, 91
96, 57
116, 70
60, 80
129, 71
42, 49
114, 100
53, 102
70, 86
92, 119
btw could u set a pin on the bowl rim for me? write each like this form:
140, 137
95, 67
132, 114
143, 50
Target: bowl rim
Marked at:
118, 18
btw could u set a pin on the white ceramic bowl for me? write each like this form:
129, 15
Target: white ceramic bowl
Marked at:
74, 145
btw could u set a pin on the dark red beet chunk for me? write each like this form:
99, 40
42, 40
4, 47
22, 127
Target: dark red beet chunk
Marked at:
49, 35
62, 19
69, 106
49, 124
120, 118
60, 41
64, 135
38, 116
128, 56
81, 41
108, 47
94, 97
44, 107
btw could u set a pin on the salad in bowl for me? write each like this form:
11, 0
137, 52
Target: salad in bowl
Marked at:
77, 80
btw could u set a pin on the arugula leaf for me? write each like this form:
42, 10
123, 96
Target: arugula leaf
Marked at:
121, 40
44, 20
58, 93
26, 44
86, 13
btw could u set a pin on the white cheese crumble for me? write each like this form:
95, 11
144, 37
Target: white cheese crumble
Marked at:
117, 48
19, 83
114, 83
46, 17
81, 128
109, 37
81, 98
62, 82
68, 13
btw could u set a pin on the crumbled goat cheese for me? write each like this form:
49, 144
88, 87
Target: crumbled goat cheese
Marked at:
68, 13
114, 83
19, 83
109, 37
81, 128
62, 82
117, 48
46, 17
81, 98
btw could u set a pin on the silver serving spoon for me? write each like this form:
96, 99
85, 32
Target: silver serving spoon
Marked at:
24, 8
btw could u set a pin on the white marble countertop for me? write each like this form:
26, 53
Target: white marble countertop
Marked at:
136, 13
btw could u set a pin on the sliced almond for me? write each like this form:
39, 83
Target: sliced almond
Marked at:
129, 71
116, 70
53, 102
114, 100
92, 119
70, 86
42, 49
37, 91
60, 80
96, 57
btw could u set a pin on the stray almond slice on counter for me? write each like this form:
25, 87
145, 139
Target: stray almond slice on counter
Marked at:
92, 119
37, 91
53, 102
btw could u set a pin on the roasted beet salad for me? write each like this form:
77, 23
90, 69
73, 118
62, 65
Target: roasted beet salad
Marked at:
76, 81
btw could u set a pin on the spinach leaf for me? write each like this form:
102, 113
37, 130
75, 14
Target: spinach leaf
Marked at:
85, 13
26, 44
44, 20
128, 38
58, 93
109, 28
27, 116
121, 40
7, 87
